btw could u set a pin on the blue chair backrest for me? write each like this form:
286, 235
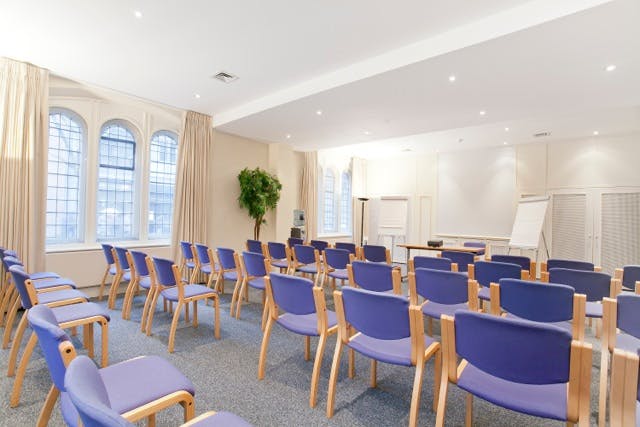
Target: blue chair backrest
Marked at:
432, 262
537, 301
88, 393
351, 247
108, 255
164, 271
121, 253
630, 275
512, 349
443, 287
375, 253
292, 241
373, 276
487, 272
293, 294
594, 285
186, 250
43, 322
570, 264
19, 280
629, 314
474, 245
277, 250
381, 316
254, 264
523, 261
140, 262
254, 246
226, 258
463, 259
305, 254
320, 245
202, 252
11, 252
337, 258
9, 261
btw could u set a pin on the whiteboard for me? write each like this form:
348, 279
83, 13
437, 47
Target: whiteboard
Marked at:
392, 218
528, 223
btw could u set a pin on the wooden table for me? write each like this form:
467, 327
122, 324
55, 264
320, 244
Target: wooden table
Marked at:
408, 247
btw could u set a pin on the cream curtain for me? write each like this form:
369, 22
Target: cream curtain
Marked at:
309, 193
191, 205
24, 115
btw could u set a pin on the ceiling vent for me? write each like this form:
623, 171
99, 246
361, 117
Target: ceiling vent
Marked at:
541, 134
225, 77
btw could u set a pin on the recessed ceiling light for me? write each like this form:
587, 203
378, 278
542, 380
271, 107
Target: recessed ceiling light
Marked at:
366, 132
137, 14
196, 96
460, 140
506, 129
288, 136
452, 78
319, 112
610, 67
596, 133
505, 143
482, 112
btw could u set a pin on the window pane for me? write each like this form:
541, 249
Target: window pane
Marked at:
329, 211
116, 184
66, 139
345, 203
162, 178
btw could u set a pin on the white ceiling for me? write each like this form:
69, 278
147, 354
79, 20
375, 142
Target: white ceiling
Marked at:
369, 67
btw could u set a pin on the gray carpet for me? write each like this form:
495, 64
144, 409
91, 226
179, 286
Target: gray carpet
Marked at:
224, 373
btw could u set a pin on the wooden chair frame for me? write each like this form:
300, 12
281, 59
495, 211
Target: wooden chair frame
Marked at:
474, 288
115, 284
578, 389
289, 258
618, 273
323, 331
296, 264
198, 268
396, 279
419, 357
624, 389
219, 285
544, 269
244, 291
103, 282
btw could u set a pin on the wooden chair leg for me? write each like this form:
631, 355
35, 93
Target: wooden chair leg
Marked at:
442, 397
264, 347
145, 310
113, 291
15, 346
152, 310
468, 418
87, 339
8, 328
352, 363
189, 408
374, 373
128, 299
317, 366
265, 313
307, 348
195, 313
47, 408
22, 367
437, 370
104, 329
103, 283
602, 400
430, 326
415, 395
7, 302
216, 314
174, 326
186, 313
243, 289
151, 420
234, 297
333, 377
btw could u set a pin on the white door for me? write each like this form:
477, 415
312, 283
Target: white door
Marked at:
572, 226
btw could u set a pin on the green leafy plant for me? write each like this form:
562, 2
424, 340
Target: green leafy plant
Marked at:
259, 193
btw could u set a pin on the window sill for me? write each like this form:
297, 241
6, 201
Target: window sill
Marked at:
86, 247
334, 236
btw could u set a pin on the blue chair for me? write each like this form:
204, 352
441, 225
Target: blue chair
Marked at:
255, 246
305, 313
524, 262
523, 366
629, 276
71, 310
567, 263
443, 291
480, 245
385, 329
229, 270
594, 285
89, 394
551, 303
351, 247
335, 265
375, 277
375, 253
255, 270
306, 260
279, 256
140, 278
205, 263
292, 241
462, 259
188, 262
320, 245
107, 250
433, 263
621, 330
134, 387
484, 273
123, 272
166, 282
624, 378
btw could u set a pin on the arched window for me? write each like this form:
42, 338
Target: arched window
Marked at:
115, 216
64, 178
329, 207
163, 154
345, 203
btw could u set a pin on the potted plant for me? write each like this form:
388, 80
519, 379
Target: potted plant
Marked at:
259, 193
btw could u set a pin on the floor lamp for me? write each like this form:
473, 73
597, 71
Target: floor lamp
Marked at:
363, 200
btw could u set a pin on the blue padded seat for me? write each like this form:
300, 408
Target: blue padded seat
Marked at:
190, 290
397, 352
68, 313
257, 283
63, 294
305, 324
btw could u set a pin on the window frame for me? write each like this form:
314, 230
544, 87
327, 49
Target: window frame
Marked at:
176, 139
338, 177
